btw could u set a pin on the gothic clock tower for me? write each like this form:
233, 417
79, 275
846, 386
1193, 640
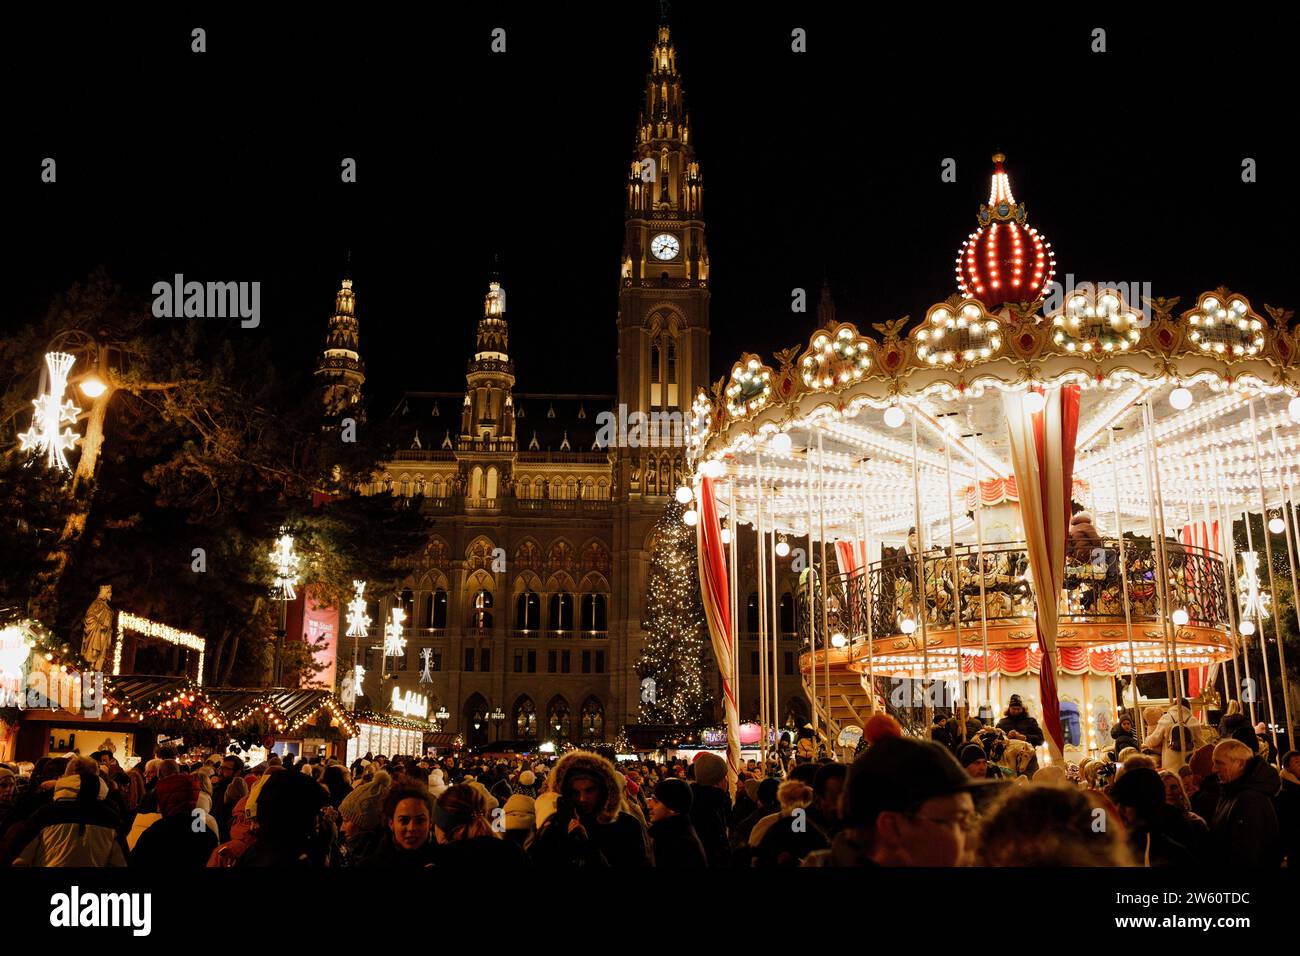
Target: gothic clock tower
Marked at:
663, 337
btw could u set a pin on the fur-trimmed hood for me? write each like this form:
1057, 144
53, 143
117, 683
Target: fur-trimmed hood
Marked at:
590, 763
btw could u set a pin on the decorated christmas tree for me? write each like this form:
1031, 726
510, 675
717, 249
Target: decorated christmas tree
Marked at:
672, 664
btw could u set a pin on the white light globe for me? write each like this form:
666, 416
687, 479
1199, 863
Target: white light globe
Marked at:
684, 494
838, 640
779, 444
1293, 409
1247, 628
1034, 402
908, 626
894, 416
1179, 617
726, 536
1276, 525
713, 469
782, 548
691, 518
1180, 398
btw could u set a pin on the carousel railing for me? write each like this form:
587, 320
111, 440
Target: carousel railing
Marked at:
1094, 589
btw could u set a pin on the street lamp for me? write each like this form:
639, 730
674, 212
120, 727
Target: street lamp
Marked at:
498, 715
286, 576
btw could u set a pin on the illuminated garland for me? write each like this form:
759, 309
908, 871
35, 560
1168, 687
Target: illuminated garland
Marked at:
126, 621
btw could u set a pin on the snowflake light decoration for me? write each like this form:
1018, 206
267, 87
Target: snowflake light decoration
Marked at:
1254, 602
358, 619
394, 643
51, 413
286, 566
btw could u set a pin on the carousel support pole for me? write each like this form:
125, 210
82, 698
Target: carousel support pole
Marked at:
1286, 490
1259, 627
1123, 583
979, 545
1228, 556
918, 593
1171, 628
826, 634
761, 566
1157, 552
1272, 586
956, 573
775, 709
812, 594
870, 597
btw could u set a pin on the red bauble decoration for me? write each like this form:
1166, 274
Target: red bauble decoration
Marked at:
1005, 259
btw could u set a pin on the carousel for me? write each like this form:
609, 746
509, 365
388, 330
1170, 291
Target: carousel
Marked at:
1030, 491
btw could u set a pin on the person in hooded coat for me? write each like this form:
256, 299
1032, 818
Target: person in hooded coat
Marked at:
1175, 736
674, 840
1124, 735
1244, 831
76, 828
589, 826
185, 837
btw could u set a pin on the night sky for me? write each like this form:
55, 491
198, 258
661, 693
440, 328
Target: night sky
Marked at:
225, 166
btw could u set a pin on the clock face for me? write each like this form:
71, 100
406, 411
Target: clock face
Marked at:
665, 246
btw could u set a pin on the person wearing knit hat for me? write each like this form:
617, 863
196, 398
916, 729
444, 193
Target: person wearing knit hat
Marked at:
526, 784
362, 815
880, 726
674, 840
1053, 775
544, 807
76, 829
974, 761
895, 793
174, 841
520, 819
711, 807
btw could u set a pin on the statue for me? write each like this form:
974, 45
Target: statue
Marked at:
97, 629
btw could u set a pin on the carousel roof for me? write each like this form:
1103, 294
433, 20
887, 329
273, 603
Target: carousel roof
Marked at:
1207, 387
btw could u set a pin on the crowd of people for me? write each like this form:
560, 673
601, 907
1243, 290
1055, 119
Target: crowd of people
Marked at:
972, 795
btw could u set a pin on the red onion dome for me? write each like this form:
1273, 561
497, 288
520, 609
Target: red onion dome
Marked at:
1005, 259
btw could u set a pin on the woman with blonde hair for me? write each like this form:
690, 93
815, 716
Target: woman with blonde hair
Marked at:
785, 838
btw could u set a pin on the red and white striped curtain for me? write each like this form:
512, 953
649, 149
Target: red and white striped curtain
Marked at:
1042, 456
715, 592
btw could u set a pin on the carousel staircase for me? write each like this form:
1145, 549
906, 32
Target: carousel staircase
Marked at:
849, 701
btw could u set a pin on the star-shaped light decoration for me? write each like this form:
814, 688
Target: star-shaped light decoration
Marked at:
286, 566
51, 413
394, 643
358, 619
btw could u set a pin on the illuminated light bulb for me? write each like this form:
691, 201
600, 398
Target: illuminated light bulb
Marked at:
1293, 409
691, 518
684, 494
93, 387
782, 548
726, 536
1034, 402
1179, 617
1247, 628
1276, 525
1180, 398
713, 469
838, 640
908, 626
894, 416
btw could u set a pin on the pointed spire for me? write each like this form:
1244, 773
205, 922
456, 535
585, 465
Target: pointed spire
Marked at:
347, 267
1000, 189
826, 307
